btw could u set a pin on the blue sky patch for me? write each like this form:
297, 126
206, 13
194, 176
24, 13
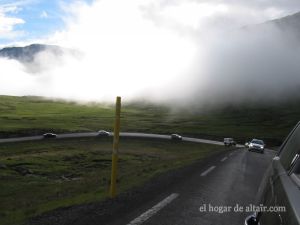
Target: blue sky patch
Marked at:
23, 20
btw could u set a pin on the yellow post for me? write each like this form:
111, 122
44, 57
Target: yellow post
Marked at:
113, 189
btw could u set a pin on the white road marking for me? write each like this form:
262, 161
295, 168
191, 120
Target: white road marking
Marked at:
207, 171
222, 160
146, 215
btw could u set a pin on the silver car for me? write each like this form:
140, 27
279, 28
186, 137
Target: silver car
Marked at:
257, 145
103, 133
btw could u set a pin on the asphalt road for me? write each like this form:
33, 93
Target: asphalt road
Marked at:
122, 134
226, 181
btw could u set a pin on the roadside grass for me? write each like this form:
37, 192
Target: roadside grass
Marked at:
40, 176
24, 116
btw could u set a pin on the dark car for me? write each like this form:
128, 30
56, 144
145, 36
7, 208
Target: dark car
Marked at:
176, 137
279, 192
257, 145
229, 142
49, 135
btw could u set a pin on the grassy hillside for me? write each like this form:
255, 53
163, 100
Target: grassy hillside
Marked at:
20, 116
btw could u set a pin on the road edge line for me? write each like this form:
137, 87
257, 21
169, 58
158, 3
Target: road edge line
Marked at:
208, 171
149, 213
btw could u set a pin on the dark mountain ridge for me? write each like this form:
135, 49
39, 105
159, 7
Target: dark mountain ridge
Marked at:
27, 53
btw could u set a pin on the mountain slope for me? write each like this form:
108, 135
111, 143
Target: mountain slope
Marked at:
27, 53
288, 26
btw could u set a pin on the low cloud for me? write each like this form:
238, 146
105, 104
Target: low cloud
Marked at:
184, 52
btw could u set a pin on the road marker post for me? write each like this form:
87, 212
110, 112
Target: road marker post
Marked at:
114, 161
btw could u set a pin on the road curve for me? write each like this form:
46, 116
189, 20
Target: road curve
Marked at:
122, 134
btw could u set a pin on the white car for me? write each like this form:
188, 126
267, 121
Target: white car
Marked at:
257, 145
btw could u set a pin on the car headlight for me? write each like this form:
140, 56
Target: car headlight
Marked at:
261, 147
250, 145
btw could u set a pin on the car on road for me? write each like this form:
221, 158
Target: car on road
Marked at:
257, 145
279, 192
103, 133
176, 137
49, 135
229, 142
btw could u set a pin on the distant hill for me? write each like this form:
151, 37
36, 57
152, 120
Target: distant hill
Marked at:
27, 53
289, 26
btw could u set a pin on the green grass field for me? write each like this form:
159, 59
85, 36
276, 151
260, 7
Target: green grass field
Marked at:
21, 116
43, 175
